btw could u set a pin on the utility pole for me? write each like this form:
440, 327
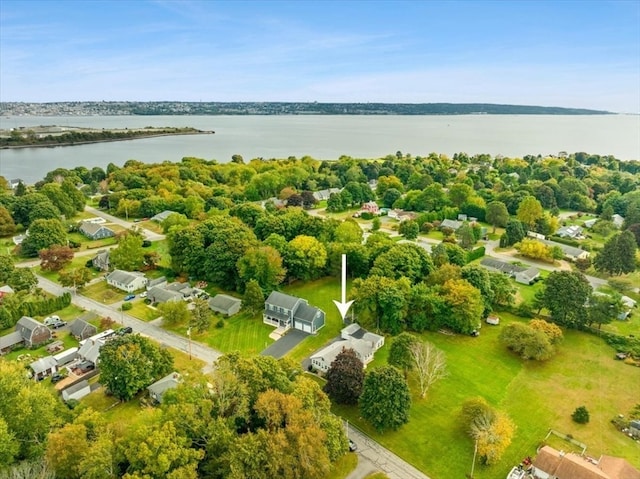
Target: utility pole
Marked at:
189, 336
473, 464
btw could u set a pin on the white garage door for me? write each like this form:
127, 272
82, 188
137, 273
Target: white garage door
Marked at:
306, 327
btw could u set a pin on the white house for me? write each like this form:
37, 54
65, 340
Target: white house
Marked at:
43, 367
527, 276
363, 343
126, 280
570, 252
573, 231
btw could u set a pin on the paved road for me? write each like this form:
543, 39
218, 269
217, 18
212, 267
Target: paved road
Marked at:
148, 234
381, 458
200, 351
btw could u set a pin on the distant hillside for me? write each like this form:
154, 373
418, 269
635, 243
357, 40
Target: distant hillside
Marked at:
281, 108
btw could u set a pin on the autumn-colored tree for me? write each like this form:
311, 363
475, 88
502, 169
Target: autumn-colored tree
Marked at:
492, 430
55, 257
345, 378
529, 211
534, 249
464, 305
550, 330
306, 256
75, 278
7, 225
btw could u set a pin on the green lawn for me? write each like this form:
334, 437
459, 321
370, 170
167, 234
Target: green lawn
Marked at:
142, 311
537, 396
31, 355
243, 333
103, 293
77, 262
87, 243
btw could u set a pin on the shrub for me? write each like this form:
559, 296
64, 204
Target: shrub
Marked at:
475, 254
220, 324
126, 306
366, 215
580, 415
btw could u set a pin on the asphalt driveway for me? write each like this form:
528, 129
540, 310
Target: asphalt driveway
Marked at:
285, 344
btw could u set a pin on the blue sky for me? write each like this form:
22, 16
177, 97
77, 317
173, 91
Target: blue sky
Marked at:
554, 53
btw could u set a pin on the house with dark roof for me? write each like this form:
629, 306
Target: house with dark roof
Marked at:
126, 280
161, 281
33, 332
101, 260
161, 386
81, 328
285, 312
509, 269
160, 217
553, 464
224, 304
95, 231
157, 294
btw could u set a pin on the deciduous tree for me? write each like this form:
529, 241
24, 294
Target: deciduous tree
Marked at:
22, 279
174, 312
618, 255
7, 225
400, 354
129, 255
497, 214
429, 364
43, 234
385, 399
55, 257
75, 278
263, 264
253, 298
200, 315
131, 363
306, 256
345, 378
565, 296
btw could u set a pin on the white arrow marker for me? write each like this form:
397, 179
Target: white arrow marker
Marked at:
343, 306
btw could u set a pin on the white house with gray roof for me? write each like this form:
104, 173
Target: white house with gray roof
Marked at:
126, 280
76, 391
160, 217
285, 312
363, 343
225, 304
158, 294
43, 367
527, 276
570, 252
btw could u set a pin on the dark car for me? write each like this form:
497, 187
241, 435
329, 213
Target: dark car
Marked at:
129, 297
125, 330
85, 366
57, 377
58, 324
352, 445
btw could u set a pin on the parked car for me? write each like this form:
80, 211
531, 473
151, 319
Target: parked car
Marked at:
51, 320
58, 324
125, 330
129, 297
86, 366
143, 294
57, 377
352, 445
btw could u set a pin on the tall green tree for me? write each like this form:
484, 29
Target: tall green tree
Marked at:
22, 279
75, 278
42, 235
263, 264
403, 260
130, 363
400, 352
174, 312
129, 255
306, 257
345, 378
253, 298
618, 256
200, 315
497, 214
385, 400
6, 267
7, 225
409, 229
565, 296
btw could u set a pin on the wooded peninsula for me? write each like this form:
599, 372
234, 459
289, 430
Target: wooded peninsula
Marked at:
44, 136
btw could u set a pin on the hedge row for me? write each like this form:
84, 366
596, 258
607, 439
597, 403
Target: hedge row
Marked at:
9, 315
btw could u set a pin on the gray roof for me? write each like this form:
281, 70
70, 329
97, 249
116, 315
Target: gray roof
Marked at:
158, 294
160, 217
223, 302
123, 277
91, 229
29, 323
43, 364
501, 266
76, 387
168, 382
156, 281
530, 273
566, 249
453, 224
6, 289
306, 313
176, 286
80, 325
282, 300
10, 339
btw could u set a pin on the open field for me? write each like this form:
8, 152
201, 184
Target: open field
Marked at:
537, 396
142, 311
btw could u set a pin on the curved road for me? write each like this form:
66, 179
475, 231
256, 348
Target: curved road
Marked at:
148, 234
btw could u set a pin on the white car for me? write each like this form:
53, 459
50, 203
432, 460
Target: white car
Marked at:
51, 320
143, 295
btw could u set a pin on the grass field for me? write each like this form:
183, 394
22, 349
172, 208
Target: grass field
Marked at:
141, 311
537, 396
103, 293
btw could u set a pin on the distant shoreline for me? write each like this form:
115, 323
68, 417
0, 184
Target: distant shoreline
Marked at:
104, 140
